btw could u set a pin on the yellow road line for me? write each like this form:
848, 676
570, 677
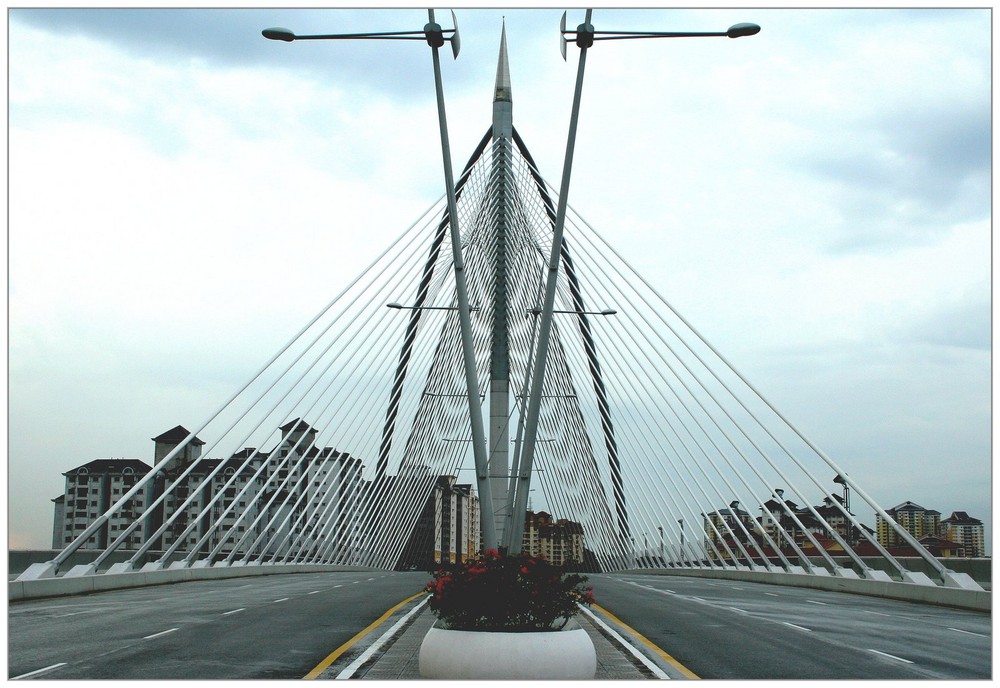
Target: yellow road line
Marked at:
332, 657
660, 653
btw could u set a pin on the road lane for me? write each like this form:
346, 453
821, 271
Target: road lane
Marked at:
725, 629
270, 627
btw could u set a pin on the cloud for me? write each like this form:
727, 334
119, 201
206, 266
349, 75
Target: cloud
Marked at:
231, 38
965, 324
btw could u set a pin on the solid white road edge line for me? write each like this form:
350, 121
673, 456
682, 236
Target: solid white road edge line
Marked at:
349, 670
657, 671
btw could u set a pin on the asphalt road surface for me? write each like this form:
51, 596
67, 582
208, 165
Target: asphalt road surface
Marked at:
730, 630
281, 627
267, 627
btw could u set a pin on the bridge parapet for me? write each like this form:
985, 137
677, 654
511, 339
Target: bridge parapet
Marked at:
84, 584
962, 598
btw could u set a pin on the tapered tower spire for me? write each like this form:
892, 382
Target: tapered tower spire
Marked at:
502, 102
503, 131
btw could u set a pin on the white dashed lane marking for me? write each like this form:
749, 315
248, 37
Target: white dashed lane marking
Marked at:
886, 654
36, 672
157, 635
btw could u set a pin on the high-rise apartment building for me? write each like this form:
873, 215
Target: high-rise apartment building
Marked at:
90, 490
915, 519
967, 531
295, 491
448, 528
559, 541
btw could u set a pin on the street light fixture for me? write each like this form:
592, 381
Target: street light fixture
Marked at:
398, 306
585, 35
432, 33
607, 311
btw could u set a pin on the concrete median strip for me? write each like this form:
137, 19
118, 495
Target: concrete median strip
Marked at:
351, 668
333, 656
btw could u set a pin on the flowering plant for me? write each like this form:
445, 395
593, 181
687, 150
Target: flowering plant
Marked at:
507, 593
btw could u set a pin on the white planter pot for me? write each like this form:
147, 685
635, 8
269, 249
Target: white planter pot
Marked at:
483, 655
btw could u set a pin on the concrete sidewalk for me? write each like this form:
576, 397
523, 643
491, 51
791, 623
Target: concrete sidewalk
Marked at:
391, 651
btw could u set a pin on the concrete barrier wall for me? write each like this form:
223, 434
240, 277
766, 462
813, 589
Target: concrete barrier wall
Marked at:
19, 560
980, 570
81, 585
977, 600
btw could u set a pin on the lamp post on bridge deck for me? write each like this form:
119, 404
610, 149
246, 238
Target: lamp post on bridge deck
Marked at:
584, 36
435, 37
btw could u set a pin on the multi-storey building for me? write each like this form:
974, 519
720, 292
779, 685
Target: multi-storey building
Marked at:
456, 521
559, 541
967, 531
90, 490
447, 530
777, 517
297, 490
719, 523
786, 525
915, 519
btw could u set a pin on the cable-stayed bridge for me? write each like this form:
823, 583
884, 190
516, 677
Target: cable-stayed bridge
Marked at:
642, 432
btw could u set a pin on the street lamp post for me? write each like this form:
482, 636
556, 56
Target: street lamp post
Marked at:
584, 36
545, 322
683, 553
435, 37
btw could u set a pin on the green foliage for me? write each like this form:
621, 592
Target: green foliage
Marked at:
507, 593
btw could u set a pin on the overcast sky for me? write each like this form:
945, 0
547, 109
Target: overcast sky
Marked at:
184, 195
